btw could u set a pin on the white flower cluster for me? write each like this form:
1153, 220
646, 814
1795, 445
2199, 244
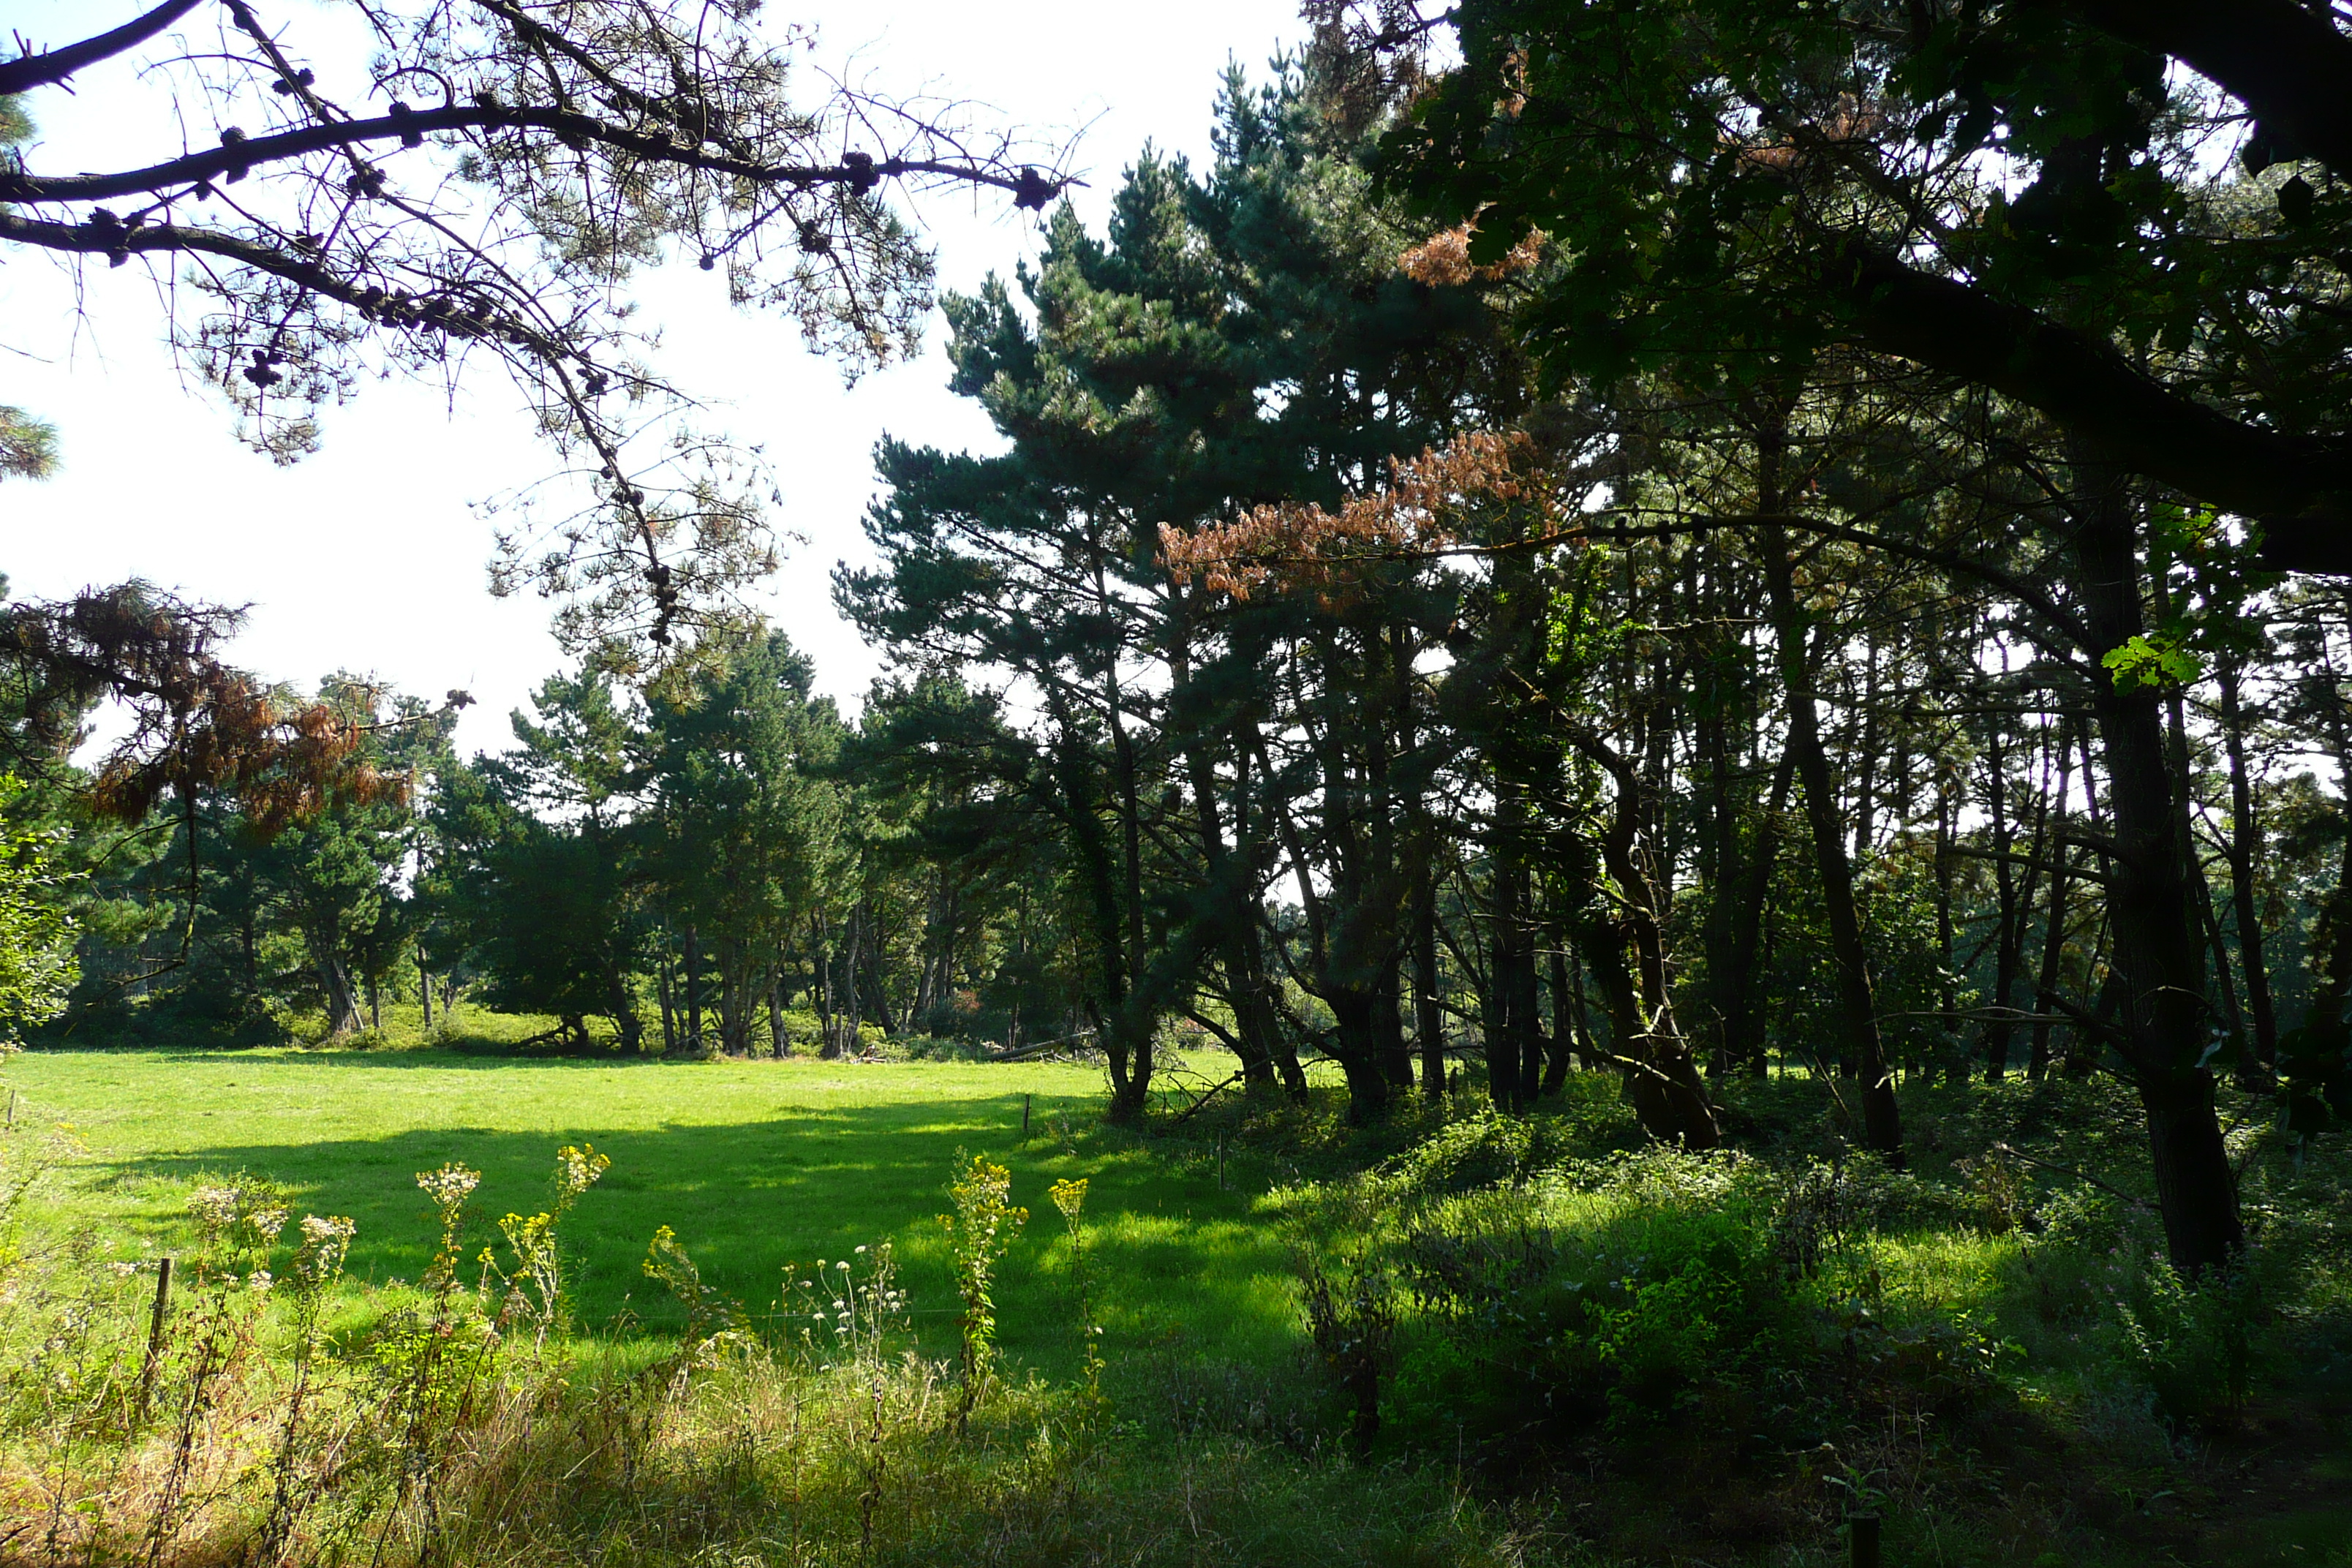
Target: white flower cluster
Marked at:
240, 1217
448, 1186
325, 1241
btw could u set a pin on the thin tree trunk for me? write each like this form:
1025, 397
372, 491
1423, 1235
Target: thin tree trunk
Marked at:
1742, 1024
2053, 930
2009, 940
1948, 999
2245, 853
1857, 1011
666, 979
776, 1012
693, 978
1501, 1025
1865, 794
1428, 1008
1563, 1022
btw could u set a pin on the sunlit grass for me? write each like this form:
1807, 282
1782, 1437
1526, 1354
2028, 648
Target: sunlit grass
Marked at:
755, 1165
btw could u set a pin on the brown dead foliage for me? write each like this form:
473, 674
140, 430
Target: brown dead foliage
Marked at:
1292, 545
198, 724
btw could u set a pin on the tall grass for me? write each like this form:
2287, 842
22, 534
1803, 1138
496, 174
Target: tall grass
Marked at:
458, 1421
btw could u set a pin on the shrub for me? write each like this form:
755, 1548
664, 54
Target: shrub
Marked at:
2195, 1344
1658, 1287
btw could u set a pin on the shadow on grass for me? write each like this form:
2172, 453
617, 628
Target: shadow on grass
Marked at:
1175, 1259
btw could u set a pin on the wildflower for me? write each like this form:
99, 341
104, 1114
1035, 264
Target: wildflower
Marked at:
450, 1185
326, 1240
578, 1169
212, 1208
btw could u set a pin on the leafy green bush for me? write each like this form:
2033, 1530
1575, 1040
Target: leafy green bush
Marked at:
1481, 1151
1619, 1295
1656, 1288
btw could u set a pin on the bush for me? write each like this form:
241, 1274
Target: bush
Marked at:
1567, 1297
1618, 1302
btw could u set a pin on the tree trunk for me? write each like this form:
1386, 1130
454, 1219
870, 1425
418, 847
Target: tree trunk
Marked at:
1428, 1008
2053, 928
1500, 1024
1563, 1024
1526, 1010
2158, 959
2009, 940
693, 978
664, 983
1723, 871
1742, 1027
1230, 897
1866, 793
624, 1014
1388, 1029
850, 1014
425, 989
1947, 996
1131, 1020
1857, 1012
1624, 943
342, 1008
734, 1005
2245, 854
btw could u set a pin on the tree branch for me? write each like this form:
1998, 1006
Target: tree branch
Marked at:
2299, 492
90, 239
1028, 188
2288, 63
29, 71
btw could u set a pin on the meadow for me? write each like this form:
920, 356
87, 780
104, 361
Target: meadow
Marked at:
1461, 1339
755, 1165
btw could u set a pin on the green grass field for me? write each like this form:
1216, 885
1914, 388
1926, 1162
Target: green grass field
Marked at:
753, 1164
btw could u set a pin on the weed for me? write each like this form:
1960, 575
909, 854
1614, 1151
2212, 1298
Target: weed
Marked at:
298, 1476
529, 1284
713, 1322
979, 1232
1070, 1198
1352, 1318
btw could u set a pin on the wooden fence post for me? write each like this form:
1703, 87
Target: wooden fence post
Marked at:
155, 1334
1861, 1532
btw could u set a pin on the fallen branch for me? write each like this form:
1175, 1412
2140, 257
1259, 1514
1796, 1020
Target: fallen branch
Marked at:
1036, 1048
1186, 1113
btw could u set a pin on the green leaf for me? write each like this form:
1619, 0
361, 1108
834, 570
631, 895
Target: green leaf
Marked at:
2158, 661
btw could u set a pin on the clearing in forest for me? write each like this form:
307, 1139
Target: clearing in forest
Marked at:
753, 1164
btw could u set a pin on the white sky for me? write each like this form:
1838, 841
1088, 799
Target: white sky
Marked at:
365, 557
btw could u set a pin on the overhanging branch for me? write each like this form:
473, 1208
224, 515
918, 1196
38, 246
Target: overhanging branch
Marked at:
232, 160
2299, 490
2287, 63
53, 66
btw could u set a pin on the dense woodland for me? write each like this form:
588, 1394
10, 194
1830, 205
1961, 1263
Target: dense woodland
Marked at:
1812, 551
